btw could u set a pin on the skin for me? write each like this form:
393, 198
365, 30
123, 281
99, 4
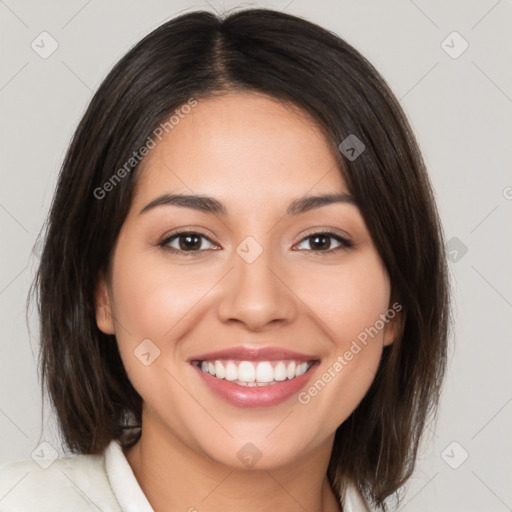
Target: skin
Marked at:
255, 155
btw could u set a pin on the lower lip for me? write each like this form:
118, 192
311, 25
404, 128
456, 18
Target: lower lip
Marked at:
257, 396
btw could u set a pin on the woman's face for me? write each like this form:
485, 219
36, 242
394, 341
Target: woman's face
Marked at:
250, 294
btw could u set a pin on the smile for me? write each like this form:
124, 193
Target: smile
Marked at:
254, 376
254, 373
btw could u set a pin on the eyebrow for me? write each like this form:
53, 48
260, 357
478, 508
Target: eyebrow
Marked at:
210, 205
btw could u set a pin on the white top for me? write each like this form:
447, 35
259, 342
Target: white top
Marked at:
87, 483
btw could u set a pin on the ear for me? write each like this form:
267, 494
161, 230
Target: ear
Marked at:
395, 325
103, 307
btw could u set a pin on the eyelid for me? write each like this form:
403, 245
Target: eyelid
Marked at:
325, 230
166, 239
345, 243
183, 230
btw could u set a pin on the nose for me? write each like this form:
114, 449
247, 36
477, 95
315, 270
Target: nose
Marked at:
257, 295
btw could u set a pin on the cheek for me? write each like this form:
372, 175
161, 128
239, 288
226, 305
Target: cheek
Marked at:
151, 298
150, 301
161, 303
349, 303
350, 299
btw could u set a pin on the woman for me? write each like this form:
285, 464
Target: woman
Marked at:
243, 293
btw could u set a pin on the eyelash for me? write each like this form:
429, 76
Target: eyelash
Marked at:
345, 244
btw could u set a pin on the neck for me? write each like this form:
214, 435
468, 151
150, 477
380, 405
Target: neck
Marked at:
174, 476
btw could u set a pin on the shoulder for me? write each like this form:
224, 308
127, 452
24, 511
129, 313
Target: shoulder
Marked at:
77, 483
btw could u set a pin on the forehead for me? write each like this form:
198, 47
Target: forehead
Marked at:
242, 145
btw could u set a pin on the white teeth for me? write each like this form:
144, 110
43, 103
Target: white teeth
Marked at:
231, 371
280, 372
246, 372
219, 370
251, 374
290, 372
264, 372
301, 369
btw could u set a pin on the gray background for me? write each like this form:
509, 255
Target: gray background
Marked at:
460, 106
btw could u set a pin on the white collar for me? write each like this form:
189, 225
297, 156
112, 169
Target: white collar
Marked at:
123, 482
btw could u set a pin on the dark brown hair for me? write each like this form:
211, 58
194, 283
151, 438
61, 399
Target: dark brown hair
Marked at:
297, 62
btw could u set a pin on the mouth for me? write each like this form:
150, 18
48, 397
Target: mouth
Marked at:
254, 373
254, 377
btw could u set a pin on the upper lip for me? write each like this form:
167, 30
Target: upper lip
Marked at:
253, 354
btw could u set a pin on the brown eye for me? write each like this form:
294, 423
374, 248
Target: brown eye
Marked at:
322, 242
186, 242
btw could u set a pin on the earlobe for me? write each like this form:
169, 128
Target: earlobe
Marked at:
394, 328
103, 308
